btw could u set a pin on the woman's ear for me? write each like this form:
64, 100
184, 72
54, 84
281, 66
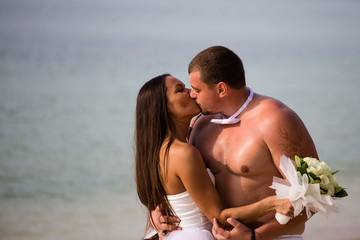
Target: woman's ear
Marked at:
222, 89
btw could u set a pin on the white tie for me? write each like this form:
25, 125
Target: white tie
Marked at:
233, 119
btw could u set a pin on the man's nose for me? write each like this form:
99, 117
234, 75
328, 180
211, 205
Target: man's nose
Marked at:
192, 93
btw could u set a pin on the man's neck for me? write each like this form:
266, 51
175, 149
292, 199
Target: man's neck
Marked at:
235, 99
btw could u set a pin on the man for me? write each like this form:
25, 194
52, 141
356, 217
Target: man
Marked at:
241, 136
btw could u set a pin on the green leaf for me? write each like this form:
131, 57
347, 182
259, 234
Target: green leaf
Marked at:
311, 180
301, 170
341, 193
338, 189
304, 165
298, 161
333, 173
313, 176
323, 191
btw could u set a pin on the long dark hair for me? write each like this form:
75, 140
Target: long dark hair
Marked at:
154, 125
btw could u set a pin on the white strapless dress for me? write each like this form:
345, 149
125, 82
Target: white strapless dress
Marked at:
194, 223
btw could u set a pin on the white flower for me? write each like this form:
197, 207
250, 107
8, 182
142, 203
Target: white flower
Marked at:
325, 182
331, 190
311, 161
302, 193
333, 181
317, 167
325, 168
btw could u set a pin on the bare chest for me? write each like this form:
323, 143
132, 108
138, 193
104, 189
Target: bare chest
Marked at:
234, 150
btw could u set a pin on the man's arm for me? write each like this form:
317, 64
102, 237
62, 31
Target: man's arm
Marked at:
273, 229
163, 224
267, 231
285, 134
239, 232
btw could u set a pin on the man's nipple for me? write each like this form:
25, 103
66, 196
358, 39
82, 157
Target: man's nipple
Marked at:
245, 169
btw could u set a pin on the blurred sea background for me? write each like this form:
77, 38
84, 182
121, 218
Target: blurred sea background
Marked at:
70, 71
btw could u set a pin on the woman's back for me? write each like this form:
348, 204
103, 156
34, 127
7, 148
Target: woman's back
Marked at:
194, 223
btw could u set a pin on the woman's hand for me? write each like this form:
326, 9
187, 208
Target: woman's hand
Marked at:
283, 206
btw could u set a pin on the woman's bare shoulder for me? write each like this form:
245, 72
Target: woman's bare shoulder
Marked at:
182, 150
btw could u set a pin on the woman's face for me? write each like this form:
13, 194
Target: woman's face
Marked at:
180, 104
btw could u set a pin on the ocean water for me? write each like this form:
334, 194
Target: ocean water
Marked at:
70, 72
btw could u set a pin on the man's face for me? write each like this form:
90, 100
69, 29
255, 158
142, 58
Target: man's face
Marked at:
204, 96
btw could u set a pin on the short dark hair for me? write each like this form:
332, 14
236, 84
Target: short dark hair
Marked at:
219, 64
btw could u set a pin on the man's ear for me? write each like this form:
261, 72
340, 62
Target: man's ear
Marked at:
222, 89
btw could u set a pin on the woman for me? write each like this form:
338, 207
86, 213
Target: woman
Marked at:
170, 172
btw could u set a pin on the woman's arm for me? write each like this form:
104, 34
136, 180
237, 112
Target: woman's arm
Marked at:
258, 209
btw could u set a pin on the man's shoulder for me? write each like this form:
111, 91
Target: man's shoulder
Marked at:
272, 112
199, 126
272, 107
270, 102
200, 121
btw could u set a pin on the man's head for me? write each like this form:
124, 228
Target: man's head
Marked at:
219, 64
212, 72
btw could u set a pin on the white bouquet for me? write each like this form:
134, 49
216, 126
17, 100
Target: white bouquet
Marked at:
310, 184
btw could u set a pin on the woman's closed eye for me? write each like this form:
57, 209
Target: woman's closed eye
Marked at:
181, 90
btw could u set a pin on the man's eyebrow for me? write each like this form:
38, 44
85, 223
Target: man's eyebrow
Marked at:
194, 87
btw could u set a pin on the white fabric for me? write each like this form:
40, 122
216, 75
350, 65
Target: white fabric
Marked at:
233, 119
193, 221
192, 233
289, 237
187, 210
300, 193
